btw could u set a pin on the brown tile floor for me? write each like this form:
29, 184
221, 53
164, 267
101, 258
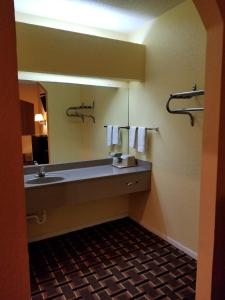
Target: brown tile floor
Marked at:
116, 260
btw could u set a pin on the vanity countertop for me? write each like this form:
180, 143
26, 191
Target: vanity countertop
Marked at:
80, 171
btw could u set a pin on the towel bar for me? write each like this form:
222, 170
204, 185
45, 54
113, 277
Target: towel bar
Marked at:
128, 127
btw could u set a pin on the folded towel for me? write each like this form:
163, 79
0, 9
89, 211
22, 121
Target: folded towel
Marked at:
132, 136
141, 139
109, 135
115, 135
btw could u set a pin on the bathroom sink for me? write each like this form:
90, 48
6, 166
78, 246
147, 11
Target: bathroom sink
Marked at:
43, 180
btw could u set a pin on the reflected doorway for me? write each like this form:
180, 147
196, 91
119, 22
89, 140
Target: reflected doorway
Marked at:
34, 119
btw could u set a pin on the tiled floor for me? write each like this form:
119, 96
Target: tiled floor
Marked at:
117, 260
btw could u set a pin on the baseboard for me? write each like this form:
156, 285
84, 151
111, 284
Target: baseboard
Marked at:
68, 230
178, 245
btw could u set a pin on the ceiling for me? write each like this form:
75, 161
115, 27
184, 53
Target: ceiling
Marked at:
151, 8
125, 16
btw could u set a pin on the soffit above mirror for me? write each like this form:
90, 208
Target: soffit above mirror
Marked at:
47, 50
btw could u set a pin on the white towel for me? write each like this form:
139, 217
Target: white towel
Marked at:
109, 135
115, 135
141, 139
132, 136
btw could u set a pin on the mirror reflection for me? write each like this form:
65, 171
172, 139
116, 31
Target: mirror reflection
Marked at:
64, 122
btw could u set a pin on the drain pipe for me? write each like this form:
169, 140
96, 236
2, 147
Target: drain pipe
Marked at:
39, 219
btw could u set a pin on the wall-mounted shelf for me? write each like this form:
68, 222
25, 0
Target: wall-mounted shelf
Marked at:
73, 111
186, 95
82, 106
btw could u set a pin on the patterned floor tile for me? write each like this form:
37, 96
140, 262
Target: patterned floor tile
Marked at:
117, 260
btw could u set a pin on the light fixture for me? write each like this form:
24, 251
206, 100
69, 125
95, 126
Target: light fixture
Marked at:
39, 118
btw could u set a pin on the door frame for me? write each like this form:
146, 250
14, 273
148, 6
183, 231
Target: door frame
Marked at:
13, 254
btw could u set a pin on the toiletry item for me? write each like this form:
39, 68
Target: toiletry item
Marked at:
116, 159
115, 154
109, 135
115, 135
128, 160
141, 139
132, 136
124, 161
117, 162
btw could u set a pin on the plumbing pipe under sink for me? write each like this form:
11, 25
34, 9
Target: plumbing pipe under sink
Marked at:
37, 218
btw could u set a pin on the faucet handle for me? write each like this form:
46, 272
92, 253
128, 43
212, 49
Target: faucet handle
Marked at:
35, 163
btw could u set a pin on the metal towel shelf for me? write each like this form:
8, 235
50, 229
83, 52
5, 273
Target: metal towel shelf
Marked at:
185, 95
73, 111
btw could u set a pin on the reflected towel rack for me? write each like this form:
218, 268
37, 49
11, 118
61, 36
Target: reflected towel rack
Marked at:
82, 106
79, 115
185, 95
147, 128
73, 111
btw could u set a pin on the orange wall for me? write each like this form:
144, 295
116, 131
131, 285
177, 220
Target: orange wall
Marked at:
31, 93
14, 282
211, 272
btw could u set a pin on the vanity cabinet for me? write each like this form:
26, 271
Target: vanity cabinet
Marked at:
27, 117
110, 187
85, 190
85, 184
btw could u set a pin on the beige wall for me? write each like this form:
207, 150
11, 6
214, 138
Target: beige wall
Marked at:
111, 107
175, 46
69, 138
64, 135
71, 217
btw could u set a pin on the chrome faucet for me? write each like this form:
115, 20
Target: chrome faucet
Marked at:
41, 171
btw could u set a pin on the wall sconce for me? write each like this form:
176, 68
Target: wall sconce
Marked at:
39, 118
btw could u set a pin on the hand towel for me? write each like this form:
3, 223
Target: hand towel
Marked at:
141, 139
109, 135
132, 136
115, 135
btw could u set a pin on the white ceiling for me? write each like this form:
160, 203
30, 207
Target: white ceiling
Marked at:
124, 16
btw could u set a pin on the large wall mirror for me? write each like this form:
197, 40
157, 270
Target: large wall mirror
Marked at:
53, 134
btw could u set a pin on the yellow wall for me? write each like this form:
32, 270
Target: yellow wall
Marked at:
111, 107
175, 46
72, 140
39, 48
69, 138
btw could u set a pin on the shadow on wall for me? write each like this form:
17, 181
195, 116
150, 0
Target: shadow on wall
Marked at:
146, 206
